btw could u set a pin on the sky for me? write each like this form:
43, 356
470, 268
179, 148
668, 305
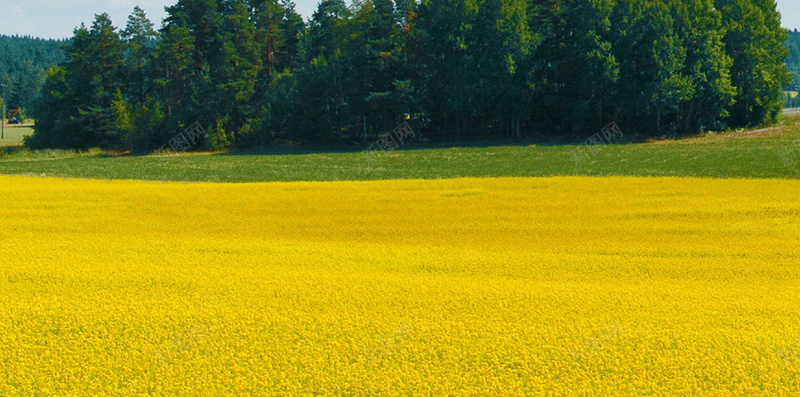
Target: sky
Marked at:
58, 18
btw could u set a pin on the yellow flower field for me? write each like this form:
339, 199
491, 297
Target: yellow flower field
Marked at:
552, 286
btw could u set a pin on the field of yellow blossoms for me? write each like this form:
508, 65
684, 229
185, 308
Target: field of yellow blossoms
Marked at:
551, 286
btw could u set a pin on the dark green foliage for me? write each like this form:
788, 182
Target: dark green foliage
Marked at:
141, 39
757, 51
710, 156
23, 62
75, 110
573, 64
253, 74
792, 44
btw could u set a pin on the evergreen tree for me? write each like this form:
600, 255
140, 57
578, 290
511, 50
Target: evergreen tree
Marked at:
239, 64
445, 80
251, 72
574, 65
754, 40
140, 37
76, 109
198, 27
292, 29
23, 63
268, 16
174, 58
700, 28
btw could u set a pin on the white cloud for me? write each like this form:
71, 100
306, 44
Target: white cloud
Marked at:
790, 10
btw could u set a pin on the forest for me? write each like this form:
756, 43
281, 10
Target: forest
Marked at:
253, 73
22, 62
792, 43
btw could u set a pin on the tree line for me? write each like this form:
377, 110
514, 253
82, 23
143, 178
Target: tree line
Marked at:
22, 62
254, 73
792, 43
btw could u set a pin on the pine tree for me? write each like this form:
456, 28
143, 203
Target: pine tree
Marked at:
443, 55
198, 27
574, 65
23, 63
140, 37
76, 110
268, 17
239, 64
754, 40
292, 29
700, 28
174, 58
252, 72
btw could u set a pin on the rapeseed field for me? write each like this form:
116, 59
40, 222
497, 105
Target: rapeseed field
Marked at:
529, 286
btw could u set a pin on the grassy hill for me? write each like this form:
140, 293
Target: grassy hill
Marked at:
758, 153
14, 134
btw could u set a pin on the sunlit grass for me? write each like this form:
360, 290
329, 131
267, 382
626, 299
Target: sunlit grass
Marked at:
736, 154
14, 135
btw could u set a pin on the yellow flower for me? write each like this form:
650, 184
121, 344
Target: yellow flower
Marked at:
552, 286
